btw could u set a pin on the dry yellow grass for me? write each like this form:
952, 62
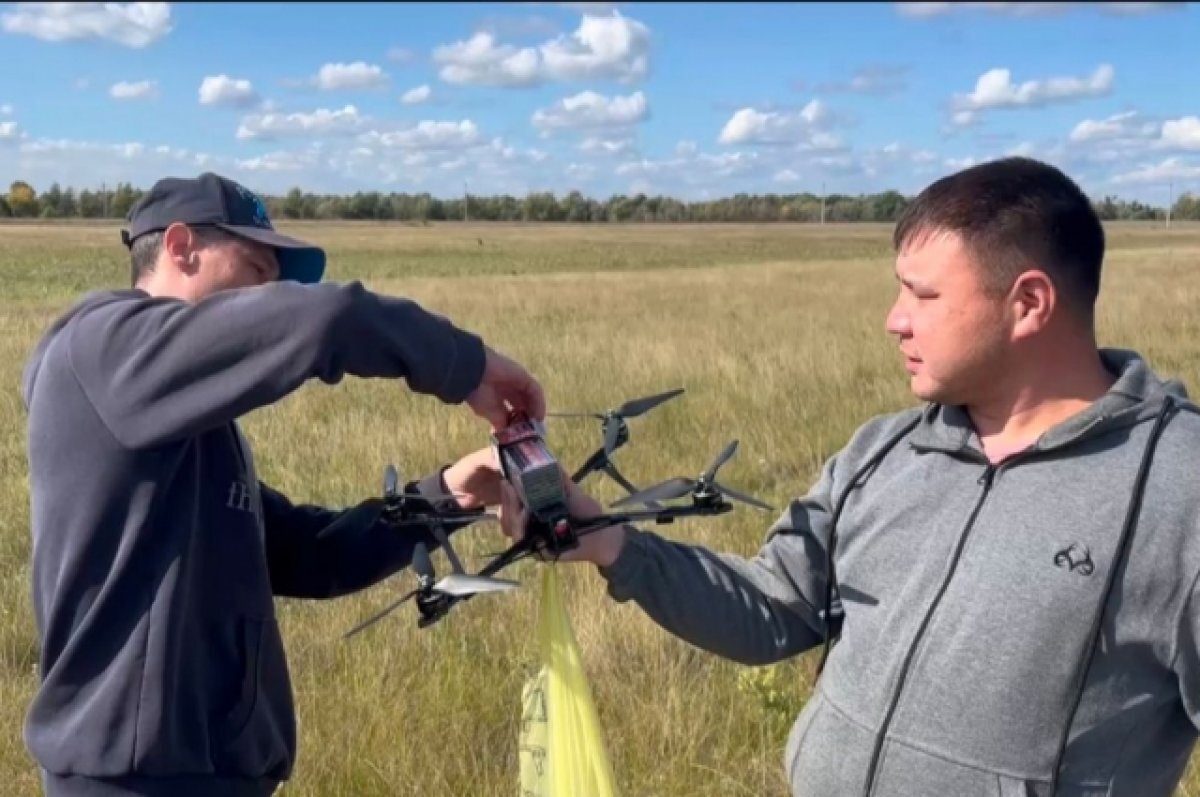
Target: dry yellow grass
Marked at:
776, 332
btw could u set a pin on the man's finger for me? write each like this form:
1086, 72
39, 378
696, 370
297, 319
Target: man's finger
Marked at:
535, 400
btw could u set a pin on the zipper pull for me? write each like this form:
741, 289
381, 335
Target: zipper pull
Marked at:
985, 478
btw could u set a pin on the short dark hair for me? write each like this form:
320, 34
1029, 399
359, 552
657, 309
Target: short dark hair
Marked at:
1013, 213
144, 251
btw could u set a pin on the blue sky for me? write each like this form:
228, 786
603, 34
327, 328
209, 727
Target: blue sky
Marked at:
692, 100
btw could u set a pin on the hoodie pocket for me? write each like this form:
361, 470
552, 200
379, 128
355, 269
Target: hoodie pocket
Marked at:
827, 753
250, 631
257, 736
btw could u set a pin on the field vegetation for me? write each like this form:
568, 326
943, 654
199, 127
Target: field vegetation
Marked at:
776, 334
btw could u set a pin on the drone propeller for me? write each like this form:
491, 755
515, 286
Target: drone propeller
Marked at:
636, 407
680, 487
613, 418
455, 585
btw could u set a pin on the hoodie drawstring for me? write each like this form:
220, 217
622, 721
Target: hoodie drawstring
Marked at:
1131, 517
855, 482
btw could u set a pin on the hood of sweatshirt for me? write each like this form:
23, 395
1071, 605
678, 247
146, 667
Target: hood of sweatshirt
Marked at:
1137, 394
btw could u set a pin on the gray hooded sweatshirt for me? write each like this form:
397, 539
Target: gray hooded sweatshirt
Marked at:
1027, 628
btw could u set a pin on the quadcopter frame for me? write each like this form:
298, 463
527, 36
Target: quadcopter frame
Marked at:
547, 535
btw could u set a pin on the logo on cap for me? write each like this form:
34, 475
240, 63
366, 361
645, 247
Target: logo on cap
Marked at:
260, 210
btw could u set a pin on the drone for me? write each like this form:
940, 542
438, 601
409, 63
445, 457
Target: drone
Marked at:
550, 530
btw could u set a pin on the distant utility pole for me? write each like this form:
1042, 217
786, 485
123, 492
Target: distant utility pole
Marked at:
104, 194
822, 202
466, 202
1170, 201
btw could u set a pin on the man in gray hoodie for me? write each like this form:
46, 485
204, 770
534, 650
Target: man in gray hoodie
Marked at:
157, 550
1009, 569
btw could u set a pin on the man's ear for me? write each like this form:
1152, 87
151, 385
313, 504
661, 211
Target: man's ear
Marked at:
179, 247
1034, 300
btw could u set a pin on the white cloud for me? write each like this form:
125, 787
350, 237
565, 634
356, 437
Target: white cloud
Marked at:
128, 24
224, 90
995, 89
87, 164
426, 135
605, 146
591, 110
6, 110
1171, 169
401, 55
805, 128
694, 166
358, 75
602, 48
1182, 133
141, 90
480, 61
280, 161
416, 96
960, 163
321, 122
1127, 125
9, 131
580, 171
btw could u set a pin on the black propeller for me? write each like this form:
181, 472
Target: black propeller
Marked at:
616, 434
706, 486
613, 418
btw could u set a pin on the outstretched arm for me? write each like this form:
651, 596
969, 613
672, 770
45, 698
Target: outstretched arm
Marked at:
303, 564
755, 611
159, 369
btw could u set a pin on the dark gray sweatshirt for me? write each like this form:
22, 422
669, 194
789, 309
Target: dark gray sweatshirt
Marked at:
157, 551
996, 639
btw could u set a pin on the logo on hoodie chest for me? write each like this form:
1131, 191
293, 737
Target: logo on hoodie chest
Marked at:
240, 497
1077, 558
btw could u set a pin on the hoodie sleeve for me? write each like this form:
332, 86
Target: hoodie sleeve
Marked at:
754, 611
306, 563
158, 370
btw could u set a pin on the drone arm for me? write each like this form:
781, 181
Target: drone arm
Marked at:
305, 563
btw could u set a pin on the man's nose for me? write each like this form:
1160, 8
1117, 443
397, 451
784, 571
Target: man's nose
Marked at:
897, 321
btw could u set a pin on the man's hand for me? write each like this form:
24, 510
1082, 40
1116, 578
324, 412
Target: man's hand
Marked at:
475, 479
506, 386
600, 547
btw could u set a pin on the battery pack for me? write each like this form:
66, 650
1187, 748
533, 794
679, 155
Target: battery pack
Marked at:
530, 467
536, 476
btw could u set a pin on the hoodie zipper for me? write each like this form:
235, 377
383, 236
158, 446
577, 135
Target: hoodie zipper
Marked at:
986, 479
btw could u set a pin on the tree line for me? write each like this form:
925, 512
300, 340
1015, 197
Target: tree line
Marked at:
23, 201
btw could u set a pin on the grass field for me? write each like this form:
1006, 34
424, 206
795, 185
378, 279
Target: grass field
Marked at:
775, 332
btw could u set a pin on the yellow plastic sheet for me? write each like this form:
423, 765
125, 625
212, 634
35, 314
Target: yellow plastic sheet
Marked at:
562, 752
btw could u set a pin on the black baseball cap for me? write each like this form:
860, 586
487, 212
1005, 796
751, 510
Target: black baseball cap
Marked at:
213, 200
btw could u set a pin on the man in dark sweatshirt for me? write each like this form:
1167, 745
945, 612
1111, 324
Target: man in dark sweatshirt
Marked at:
1014, 562
156, 549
